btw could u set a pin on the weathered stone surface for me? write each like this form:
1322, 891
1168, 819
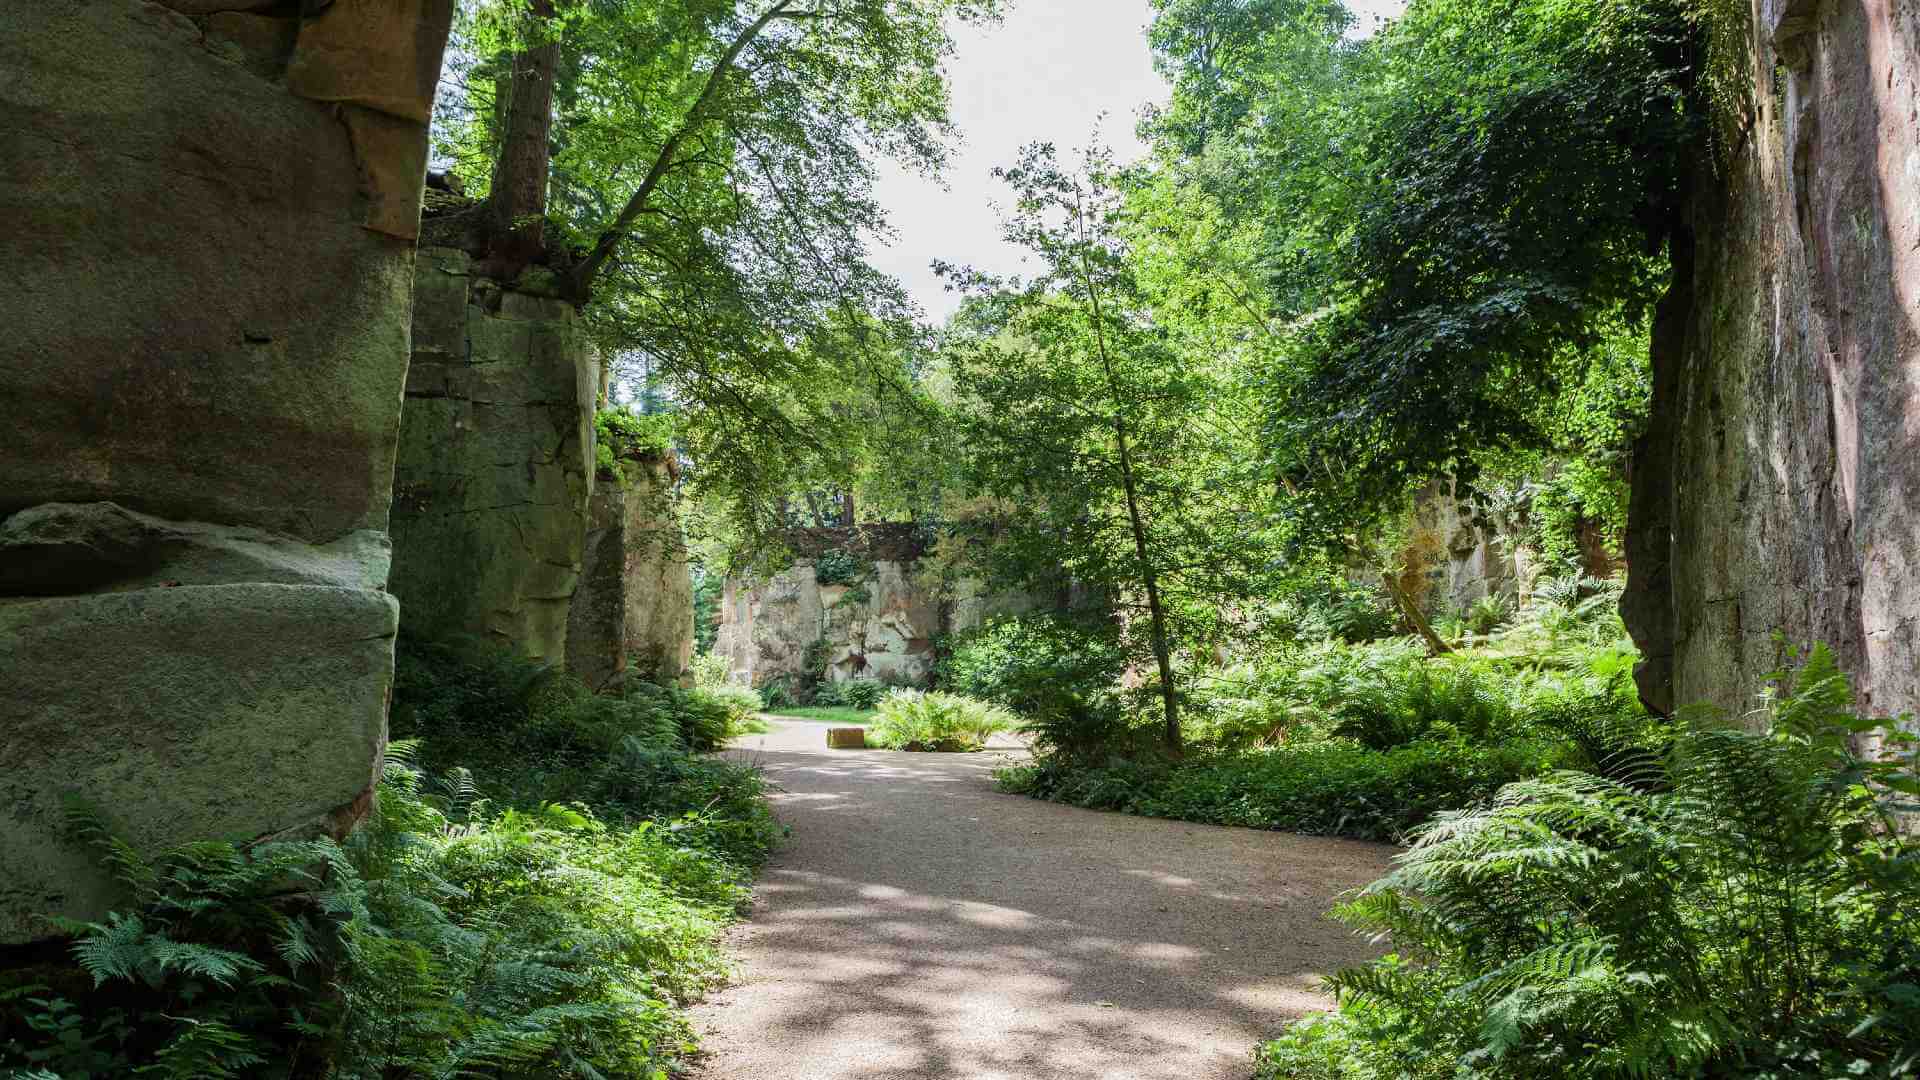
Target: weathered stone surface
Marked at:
597, 614
203, 362
1452, 559
380, 54
151, 704
846, 738
658, 592
64, 548
634, 602
882, 627
496, 451
197, 324
261, 43
1779, 486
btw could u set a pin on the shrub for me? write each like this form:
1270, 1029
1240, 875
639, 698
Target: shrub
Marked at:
1750, 914
1327, 788
1022, 662
1391, 694
931, 720
1335, 610
1488, 613
861, 693
710, 669
837, 567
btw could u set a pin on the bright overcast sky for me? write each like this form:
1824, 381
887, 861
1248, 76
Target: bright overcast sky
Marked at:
1048, 72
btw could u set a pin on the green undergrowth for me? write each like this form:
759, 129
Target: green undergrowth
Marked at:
539, 890
1743, 903
1328, 789
1314, 732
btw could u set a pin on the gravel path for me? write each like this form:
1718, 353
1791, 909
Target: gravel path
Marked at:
920, 924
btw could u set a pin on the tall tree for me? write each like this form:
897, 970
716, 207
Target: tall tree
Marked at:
1113, 454
1453, 223
517, 195
711, 169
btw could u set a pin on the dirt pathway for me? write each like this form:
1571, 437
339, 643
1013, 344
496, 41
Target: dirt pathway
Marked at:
920, 924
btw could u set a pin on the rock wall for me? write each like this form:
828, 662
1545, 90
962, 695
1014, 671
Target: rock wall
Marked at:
1778, 484
207, 269
635, 597
495, 468
1453, 560
883, 625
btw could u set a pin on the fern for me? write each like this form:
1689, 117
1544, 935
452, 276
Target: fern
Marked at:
1751, 910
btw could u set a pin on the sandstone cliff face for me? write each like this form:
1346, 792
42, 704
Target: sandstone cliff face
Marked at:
1778, 485
208, 261
883, 625
496, 460
635, 597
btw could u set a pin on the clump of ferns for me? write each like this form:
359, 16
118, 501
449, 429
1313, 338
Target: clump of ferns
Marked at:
1753, 909
445, 938
217, 965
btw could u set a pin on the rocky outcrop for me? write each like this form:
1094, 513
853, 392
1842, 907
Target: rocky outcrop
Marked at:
1778, 487
634, 603
876, 618
208, 262
1455, 556
495, 467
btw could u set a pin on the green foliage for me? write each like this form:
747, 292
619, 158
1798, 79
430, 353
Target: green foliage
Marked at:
1330, 607
936, 721
1027, 661
465, 929
863, 693
631, 434
1740, 905
1488, 613
851, 693
493, 710
1441, 241
837, 566
710, 669
1328, 789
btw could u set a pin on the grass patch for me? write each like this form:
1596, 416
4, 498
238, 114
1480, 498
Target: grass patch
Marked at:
826, 714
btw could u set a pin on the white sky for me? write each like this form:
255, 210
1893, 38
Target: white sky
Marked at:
1048, 72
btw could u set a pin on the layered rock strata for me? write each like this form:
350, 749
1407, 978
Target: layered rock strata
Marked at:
208, 264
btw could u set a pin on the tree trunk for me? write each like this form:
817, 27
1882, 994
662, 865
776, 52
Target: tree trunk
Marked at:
517, 203
1156, 614
1415, 618
846, 508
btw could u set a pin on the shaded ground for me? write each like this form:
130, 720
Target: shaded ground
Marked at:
920, 924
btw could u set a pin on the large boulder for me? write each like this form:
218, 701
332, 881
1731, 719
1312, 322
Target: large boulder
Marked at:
200, 324
1777, 490
495, 468
208, 271
182, 713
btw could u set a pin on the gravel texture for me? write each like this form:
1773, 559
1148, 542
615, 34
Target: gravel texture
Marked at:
920, 924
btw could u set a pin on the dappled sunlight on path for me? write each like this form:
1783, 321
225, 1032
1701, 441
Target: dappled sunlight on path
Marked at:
920, 924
